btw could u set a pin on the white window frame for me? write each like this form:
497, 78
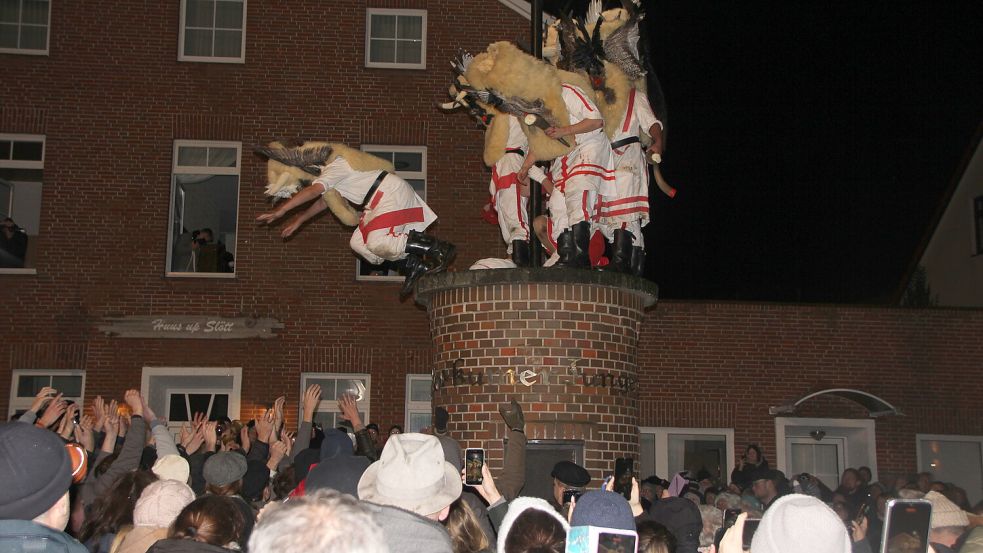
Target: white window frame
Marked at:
369, 12
330, 404
23, 164
416, 407
662, 433
919, 438
211, 59
234, 394
405, 175
867, 425
22, 403
195, 170
30, 51
199, 391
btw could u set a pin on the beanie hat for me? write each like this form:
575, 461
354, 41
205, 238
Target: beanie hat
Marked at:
517, 508
35, 470
682, 517
945, 512
340, 473
172, 467
225, 467
161, 502
803, 524
571, 474
605, 509
336, 444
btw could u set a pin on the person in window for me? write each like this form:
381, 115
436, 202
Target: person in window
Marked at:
13, 245
210, 256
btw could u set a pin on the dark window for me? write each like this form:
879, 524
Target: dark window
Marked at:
978, 218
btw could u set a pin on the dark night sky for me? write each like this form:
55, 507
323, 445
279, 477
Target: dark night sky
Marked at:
811, 142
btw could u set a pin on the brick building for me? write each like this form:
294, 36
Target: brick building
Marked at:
122, 132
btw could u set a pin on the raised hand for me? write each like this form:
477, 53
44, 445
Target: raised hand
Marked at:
198, 420
98, 413
184, 435
42, 398
211, 436
278, 450
55, 410
487, 489
349, 411
270, 216
112, 430
148, 413
312, 398
195, 442
264, 426
67, 426
84, 435
278, 414
635, 502
135, 401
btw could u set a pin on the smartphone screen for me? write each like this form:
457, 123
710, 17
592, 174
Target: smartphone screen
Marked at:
623, 469
906, 525
616, 542
569, 494
474, 460
750, 527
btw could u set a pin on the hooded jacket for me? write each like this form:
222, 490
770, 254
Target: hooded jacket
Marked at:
339, 469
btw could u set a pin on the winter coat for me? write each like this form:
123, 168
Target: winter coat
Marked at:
25, 536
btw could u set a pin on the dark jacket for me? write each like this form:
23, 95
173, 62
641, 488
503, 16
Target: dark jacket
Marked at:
407, 532
742, 476
185, 546
25, 536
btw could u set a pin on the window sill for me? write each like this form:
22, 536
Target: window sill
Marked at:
378, 278
18, 271
201, 275
23, 52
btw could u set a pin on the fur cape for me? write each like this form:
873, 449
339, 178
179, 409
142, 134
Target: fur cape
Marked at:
286, 180
508, 70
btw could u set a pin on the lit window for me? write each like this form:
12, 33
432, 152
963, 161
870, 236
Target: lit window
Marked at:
177, 393
21, 172
410, 163
24, 26
396, 38
418, 394
333, 386
213, 31
204, 208
26, 384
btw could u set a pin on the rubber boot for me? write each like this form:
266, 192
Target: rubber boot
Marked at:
574, 247
414, 268
621, 252
440, 253
638, 261
520, 253
566, 248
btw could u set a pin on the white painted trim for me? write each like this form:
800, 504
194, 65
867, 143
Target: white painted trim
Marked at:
234, 372
942, 438
662, 433
24, 164
781, 462
410, 406
211, 59
18, 271
369, 12
16, 403
331, 404
47, 36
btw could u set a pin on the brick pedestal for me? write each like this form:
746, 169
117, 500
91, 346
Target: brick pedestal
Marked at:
561, 342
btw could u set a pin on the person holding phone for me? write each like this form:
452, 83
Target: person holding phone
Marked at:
752, 460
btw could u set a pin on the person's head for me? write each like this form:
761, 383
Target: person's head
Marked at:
223, 473
650, 488
713, 519
36, 475
568, 475
325, 520
655, 538
727, 500
395, 429
114, 509
710, 496
465, 530
161, 502
850, 481
8, 225
603, 508
924, 481
531, 525
803, 524
752, 454
212, 519
412, 474
373, 430
207, 235
948, 522
764, 485
172, 467
865, 475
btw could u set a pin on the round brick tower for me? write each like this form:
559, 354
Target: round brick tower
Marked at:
563, 343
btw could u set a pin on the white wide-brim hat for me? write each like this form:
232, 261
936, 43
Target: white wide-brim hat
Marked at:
411, 474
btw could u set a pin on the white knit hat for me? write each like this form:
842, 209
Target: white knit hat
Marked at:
803, 524
161, 502
519, 506
172, 467
945, 512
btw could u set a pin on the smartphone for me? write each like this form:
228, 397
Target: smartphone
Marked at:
750, 527
474, 460
861, 512
730, 517
906, 525
570, 494
624, 467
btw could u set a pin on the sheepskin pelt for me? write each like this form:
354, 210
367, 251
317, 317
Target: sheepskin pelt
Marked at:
359, 160
511, 72
613, 111
496, 139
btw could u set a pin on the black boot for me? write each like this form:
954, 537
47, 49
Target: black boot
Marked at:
577, 245
413, 267
621, 252
440, 253
520, 253
638, 261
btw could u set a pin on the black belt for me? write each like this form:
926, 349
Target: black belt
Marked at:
623, 142
373, 188
515, 151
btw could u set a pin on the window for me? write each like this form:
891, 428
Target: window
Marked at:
668, 451
177, 393
21, 171
396, 38
26, 384
418, 394
410, 163
24, 26
333, 386
204, 209
978, 222
213, 31
957, 459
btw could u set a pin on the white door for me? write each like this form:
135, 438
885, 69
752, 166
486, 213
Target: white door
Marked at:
957, 459
822, 459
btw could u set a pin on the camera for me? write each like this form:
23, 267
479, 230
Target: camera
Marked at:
571, 493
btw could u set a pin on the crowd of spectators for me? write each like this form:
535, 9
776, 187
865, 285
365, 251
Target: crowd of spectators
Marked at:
118, 481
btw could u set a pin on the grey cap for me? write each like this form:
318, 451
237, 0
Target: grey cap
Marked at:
225, 467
